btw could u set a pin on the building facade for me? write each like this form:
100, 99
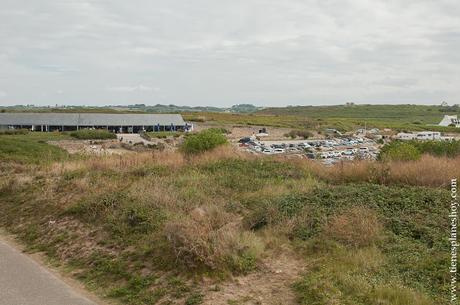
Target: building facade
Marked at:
118, 123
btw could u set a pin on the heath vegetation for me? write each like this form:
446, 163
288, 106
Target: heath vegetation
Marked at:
177, 227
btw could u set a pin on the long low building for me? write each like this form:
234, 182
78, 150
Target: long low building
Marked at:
119, 123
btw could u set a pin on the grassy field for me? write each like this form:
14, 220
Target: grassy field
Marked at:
427, 114
168, 228
342, 117
32, 147
345, 118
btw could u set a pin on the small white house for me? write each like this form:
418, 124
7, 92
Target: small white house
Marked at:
449, 120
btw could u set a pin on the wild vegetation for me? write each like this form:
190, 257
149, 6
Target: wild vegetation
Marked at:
304, 134
161, 134
28, 148
93, 134
12, 131
412, 150
342, 117
203, 141
174, 228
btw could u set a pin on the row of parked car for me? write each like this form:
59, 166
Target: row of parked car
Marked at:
334, 149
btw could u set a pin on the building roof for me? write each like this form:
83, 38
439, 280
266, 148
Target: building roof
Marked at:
90, 119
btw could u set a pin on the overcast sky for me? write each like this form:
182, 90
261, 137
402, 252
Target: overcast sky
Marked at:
220, 53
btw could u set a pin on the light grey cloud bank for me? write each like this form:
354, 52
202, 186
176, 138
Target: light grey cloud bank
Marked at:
208, 52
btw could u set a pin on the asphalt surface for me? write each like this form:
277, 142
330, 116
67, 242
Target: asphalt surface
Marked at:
24, 282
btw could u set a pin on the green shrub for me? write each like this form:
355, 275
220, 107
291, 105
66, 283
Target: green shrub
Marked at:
197, 119
13, 131
203, 141
161, 134
438, 148
220, 130
399, 151
305, 134
411, 150
93, 134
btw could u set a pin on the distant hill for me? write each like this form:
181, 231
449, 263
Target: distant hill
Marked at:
240, 108
159, 108
410, 113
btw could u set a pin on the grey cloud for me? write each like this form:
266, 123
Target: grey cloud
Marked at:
208, 52
136, 88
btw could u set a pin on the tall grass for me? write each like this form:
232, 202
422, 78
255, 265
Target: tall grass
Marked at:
127, 223
428, 171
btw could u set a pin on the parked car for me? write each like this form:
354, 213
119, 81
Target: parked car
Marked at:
267, 151
244, 140
336, 154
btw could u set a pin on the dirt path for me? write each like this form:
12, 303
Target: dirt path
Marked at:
270, 286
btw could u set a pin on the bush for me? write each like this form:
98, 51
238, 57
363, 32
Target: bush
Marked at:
399, 151
93, 134
161, 135
220, 130
203, 141
197, 119
356, 227
305, 134
209, 238
13, 131
438, 148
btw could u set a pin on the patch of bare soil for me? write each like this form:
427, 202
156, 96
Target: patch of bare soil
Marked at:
90, 147
239, 131
270, 286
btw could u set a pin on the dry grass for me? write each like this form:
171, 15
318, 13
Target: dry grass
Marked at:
148, 209
223, 152
211, 237
127, 162
356, 227
428, 171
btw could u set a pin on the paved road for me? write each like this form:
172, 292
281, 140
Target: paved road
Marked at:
24, 282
